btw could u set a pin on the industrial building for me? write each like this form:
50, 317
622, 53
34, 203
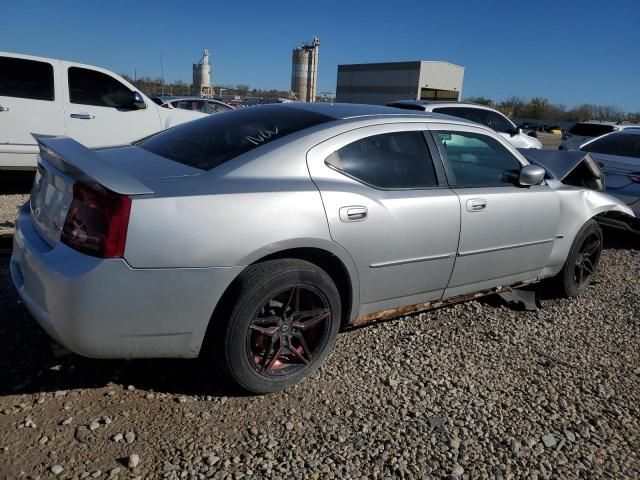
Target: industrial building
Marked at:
304, 71
202, 77
380, 83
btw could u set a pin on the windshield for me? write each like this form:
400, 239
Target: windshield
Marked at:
214, 140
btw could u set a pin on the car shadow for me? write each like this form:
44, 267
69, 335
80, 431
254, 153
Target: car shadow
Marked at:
620, 239
15, 182
31, 362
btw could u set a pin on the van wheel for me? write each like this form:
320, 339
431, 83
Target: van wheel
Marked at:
281, 327
582, 262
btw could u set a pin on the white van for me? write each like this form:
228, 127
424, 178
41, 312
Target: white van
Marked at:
90, 104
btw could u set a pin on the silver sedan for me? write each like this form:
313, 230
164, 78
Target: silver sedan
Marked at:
254, 236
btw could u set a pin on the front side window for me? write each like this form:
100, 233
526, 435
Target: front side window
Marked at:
390, 160
90, 87
622, 144
478, 160
498, 122
216, 139
22, 78
471, 114
213, 107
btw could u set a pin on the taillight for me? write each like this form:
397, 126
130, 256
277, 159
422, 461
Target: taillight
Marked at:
97, 222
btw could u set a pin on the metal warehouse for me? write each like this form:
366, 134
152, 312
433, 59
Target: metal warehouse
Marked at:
380, 83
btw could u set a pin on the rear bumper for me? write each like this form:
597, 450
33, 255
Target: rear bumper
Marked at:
103, 308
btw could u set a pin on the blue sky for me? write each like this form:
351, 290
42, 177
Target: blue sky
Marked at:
568, 52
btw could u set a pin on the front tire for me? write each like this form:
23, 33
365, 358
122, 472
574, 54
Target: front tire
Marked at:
283, 322
582, 262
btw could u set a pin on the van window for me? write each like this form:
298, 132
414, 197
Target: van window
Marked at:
23, 78
90, 87
590, 129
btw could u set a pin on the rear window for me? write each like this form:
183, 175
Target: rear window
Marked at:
622, 144
590, 129
26, 79
212, 141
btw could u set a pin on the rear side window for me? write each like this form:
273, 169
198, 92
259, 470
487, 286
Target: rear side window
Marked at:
590, 129
90, 87
390, 160
478, 160
22, 78
622, 144
193, 105
214, 140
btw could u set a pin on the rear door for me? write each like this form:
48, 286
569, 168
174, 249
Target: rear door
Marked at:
388, 205
30, 102
99, 112
507, 231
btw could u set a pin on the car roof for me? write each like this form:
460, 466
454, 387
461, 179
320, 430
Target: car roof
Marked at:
442, 103
172, 98
345, 111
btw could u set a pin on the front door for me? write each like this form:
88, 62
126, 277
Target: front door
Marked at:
507, 231
30, 102
388, 205
99, 111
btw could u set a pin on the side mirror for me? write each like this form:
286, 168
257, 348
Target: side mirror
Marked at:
531, 175
515, 131
137, 101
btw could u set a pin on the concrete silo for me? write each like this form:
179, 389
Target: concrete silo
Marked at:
202, 77
304, 71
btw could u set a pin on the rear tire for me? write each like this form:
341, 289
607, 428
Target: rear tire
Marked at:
282, 323
582, 262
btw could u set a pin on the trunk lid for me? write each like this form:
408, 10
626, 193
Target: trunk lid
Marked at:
63, 162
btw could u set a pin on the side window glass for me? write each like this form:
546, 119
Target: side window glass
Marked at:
498, 122
22, 78
90, 87
390, 160
478, 160
471, 114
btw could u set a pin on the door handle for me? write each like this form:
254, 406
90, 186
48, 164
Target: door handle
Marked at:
476, 204
354, 213
4, 109
83, 116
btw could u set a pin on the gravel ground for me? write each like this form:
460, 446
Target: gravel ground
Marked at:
9, 205
471, 391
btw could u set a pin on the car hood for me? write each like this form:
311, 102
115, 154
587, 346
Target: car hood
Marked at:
572, 167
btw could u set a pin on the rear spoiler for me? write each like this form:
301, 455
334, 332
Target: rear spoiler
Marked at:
78, 161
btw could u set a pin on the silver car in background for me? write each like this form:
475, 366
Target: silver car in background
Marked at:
481, 114
254, 236
194, 104
583, 132
618, 155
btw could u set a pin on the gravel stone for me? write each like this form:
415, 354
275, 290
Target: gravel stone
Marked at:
130, 437
133, 460
549, 440
57, 469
